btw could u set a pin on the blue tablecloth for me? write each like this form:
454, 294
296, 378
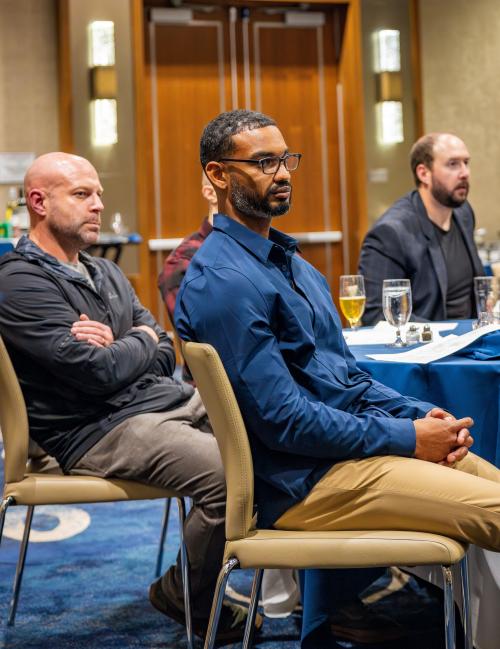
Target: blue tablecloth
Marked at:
464, 386
458, 383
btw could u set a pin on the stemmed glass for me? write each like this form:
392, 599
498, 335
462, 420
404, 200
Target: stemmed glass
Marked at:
352, 298
486, 290
396, 302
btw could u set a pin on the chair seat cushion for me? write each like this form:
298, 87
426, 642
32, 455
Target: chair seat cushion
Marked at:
46, 489
345, 549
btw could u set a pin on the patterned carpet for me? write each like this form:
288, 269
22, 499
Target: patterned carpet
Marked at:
86, 580
89, 590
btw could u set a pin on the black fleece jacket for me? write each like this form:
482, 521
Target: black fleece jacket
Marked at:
76, 392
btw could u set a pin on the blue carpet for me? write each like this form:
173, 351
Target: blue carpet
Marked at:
89, 591
86, 587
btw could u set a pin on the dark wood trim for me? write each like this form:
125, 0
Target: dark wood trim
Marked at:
416, 66
351, 78
66, 142
145, 206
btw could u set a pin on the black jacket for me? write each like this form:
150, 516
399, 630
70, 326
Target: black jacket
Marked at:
76, 392
404, 243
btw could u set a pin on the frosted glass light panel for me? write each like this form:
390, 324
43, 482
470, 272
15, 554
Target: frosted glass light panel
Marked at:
387, 51
101, 43
104, 128
390, 122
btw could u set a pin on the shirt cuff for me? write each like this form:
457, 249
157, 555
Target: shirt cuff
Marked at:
402, 437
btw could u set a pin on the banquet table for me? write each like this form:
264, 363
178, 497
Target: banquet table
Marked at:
464, 387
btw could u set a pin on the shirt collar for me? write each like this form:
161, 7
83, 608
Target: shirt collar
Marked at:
253, 242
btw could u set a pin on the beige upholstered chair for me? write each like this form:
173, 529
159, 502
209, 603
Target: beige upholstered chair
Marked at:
247, 547
31, 489
40, 462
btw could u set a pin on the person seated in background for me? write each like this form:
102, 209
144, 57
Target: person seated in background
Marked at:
427, 237
178, 260
280, 592
332, 448
96, 373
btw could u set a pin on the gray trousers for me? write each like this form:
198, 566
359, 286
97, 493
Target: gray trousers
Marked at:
175, 450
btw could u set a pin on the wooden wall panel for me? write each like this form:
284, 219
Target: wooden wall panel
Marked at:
290, 92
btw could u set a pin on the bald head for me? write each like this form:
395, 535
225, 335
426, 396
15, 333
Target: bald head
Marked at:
63, 196
51, 169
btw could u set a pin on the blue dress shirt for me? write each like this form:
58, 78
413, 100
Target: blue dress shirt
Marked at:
306, 405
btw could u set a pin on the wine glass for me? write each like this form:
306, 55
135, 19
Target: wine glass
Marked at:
396, 302
352, 298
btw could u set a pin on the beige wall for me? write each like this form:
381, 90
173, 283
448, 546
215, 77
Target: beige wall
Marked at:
115, 163
392, 159
461, 90
28, 78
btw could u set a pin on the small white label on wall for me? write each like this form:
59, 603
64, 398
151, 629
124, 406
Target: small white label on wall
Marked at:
13, 166
380, 175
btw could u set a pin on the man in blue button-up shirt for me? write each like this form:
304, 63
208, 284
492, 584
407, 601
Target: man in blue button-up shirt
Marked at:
332, 448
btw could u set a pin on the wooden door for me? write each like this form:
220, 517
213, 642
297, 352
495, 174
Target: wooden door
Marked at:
202, 61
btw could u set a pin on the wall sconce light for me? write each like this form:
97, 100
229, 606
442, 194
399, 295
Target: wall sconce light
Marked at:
389, 86
103, 85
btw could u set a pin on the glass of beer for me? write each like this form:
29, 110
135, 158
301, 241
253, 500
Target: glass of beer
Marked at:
352, 298
396, 303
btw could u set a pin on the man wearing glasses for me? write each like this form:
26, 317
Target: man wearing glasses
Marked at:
332, 448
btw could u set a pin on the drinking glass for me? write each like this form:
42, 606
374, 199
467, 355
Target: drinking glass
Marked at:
396, 303
352, 298
486, 293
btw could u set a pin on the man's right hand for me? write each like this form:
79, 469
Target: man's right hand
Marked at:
438, 438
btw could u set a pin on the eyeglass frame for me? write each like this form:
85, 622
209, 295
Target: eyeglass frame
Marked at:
282, 160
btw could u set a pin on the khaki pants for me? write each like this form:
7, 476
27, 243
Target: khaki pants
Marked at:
398, 493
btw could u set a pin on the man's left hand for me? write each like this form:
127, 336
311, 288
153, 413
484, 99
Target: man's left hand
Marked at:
92, 332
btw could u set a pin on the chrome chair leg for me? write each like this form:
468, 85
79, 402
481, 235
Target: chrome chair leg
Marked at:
252, 609
185, 574
449, 608
163, 535
6, 502
220, 589
20, 566
466, 614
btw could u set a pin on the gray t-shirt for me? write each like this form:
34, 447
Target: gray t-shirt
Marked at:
82, 269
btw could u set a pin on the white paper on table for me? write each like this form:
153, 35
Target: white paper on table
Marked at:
383, 333
436, 350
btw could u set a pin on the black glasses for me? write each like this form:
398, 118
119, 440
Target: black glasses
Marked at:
271, 164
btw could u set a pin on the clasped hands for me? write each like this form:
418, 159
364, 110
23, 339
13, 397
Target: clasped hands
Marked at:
98, 334
442, 438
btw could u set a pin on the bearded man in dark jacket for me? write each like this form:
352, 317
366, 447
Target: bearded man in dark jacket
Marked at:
96, 372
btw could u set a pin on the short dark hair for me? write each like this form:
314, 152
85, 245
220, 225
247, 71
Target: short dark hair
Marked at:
217, 138
422, 152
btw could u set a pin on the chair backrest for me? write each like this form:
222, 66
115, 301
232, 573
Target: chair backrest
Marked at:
13, 420
229, 429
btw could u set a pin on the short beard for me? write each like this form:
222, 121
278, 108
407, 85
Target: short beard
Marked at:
72, 239
445, 197
248, 203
